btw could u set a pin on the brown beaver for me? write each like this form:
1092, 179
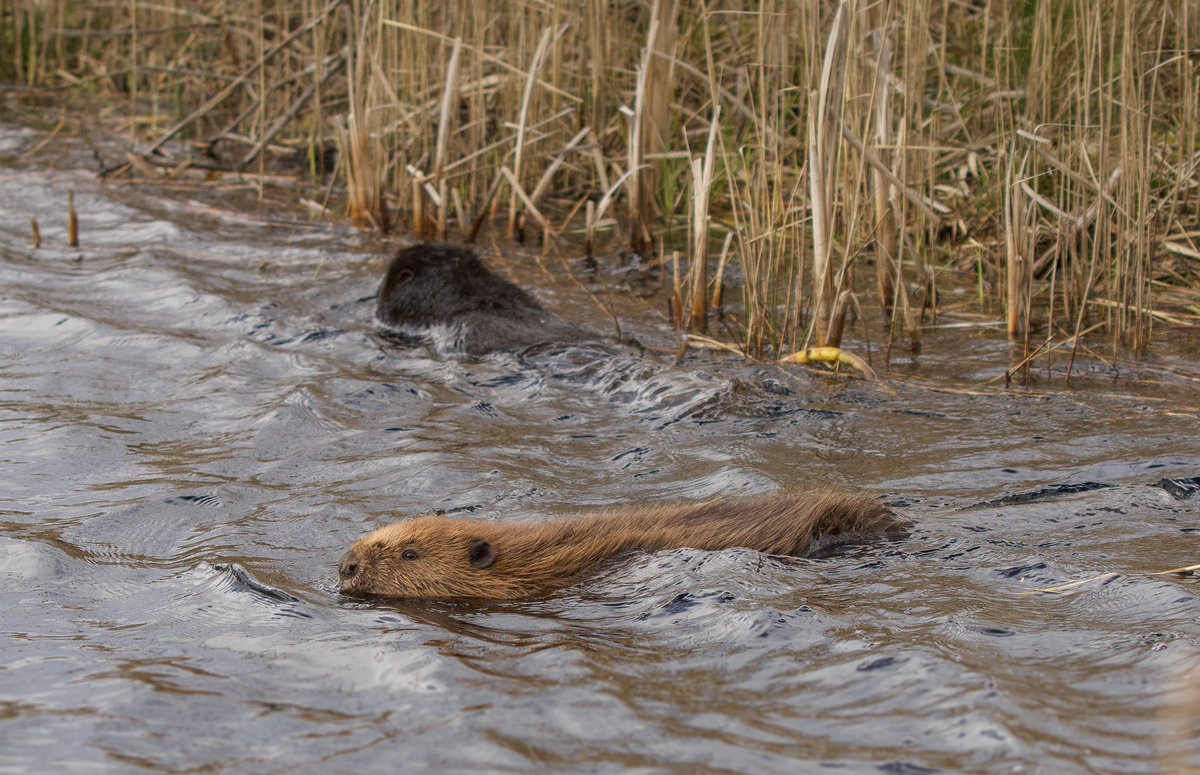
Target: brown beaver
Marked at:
445, 293
437, 558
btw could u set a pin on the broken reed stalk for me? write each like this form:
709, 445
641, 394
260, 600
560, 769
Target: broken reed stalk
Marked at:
418, 208
37, 233
72, 221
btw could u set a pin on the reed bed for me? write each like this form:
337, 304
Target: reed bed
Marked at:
782, 163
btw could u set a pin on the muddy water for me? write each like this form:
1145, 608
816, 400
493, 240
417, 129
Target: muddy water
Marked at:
198, 417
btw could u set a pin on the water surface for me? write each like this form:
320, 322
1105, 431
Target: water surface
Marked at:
198, 417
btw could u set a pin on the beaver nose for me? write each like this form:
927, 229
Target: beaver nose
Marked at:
348, 566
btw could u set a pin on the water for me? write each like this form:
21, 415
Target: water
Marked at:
198, 417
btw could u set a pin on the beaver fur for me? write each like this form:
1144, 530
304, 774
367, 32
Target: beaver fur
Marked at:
437, 558
445, 293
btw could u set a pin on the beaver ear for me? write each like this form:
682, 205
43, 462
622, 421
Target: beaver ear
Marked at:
481, 553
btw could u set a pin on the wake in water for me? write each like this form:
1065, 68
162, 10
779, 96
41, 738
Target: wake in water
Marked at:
443, 295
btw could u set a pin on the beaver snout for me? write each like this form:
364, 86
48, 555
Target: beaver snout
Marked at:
348, 568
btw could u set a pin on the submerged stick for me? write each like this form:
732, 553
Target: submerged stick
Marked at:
1106, 577
1070, 585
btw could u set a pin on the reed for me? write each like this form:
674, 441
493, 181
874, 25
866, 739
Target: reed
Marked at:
1045, 154
72, 221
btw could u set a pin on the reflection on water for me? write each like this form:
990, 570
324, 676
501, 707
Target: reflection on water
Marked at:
198, 417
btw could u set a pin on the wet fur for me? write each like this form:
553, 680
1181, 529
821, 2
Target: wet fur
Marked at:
445, 292
462, 559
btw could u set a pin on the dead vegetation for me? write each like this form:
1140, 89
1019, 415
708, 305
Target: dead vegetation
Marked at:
760, 154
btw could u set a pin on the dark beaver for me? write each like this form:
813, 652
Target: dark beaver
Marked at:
446, 293
437, 558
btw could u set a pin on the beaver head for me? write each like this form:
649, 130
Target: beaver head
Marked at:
433, 283
445, 293
426, 557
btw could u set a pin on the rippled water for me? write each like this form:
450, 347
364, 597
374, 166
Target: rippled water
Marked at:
198, 417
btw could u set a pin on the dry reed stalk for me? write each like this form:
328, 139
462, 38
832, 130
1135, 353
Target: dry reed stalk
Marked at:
35, 150
535, 66
224, 93
702, 177
939, 98
443, 136
460, 211
418, 207
886, 230
1018, 241
362, 151
676, 293
932, 210
72, 220
609, 197
888, 222
639, 236
658, 88
484, 208
837, 319
280, 122
824, 123
589, 239
547, 229
719, 280
543, 184
37, 233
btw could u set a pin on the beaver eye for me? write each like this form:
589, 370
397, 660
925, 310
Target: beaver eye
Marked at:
409, 555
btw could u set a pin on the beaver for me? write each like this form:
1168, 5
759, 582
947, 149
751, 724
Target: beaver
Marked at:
438, 558
444, 292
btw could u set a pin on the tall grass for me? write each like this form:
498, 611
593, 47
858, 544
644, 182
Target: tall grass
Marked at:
1046, 154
